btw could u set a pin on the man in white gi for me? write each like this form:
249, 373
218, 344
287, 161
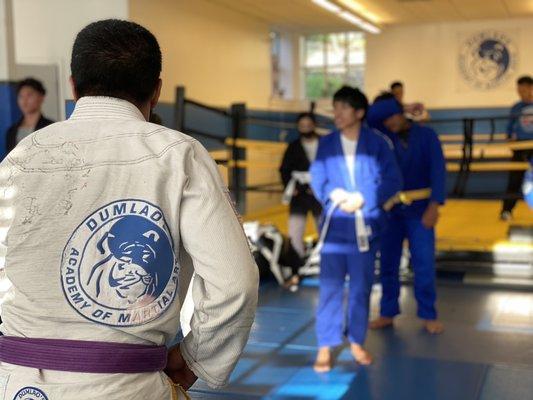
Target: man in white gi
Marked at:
111, 216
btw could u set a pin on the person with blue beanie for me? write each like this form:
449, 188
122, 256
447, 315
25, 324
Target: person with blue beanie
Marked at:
421, 160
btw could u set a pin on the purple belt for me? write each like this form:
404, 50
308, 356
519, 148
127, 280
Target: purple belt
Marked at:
82, 356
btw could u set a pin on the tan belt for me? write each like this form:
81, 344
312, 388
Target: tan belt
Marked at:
176, 389
407, 197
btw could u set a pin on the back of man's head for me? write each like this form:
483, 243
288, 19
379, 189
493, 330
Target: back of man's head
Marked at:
525, 80
396, 85
116, 58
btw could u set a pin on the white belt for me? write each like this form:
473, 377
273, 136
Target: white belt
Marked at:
362, 231
301, 177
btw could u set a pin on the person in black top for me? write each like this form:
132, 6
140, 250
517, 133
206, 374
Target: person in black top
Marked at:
30, 98
294, 174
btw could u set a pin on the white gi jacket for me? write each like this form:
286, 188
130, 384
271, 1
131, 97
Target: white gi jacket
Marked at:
112, 215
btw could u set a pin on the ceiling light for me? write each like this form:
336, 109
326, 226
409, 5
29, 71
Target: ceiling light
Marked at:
348, 16
360, 9
367, 26
327, 5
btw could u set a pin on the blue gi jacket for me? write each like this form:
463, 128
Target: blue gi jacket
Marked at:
422, 164
377, 178
519, 124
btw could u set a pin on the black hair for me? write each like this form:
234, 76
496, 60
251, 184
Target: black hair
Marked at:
303, 115
396, 84
353, 96
524, 80
32, 83
387, 96
116, 58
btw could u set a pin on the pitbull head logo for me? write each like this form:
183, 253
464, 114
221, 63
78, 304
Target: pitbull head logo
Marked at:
137, 260
119, 266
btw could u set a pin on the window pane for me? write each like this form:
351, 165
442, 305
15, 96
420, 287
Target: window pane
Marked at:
314, 51
331, 61
356, 48
336, 49
315, 84
356, 76
336, 78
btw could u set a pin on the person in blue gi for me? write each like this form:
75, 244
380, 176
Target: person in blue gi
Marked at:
519, 128
527, 185
353, 175
421, 160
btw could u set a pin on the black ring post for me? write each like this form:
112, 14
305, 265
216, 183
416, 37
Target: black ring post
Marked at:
238, 175
179, 109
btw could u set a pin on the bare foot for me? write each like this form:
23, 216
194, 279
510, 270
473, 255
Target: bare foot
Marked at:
381, 322
292, 283
434, 326
362, 356
323, 362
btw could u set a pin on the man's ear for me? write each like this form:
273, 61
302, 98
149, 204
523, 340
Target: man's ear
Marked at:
73, 88
360, 114
157, 93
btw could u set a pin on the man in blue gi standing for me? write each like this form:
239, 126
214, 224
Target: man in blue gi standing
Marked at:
353, 175
421, 160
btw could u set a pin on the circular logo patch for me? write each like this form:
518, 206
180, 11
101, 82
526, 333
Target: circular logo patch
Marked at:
526, 119
118, 267
487, 59
30, 393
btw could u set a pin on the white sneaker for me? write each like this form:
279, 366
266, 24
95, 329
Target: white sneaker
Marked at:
506, 216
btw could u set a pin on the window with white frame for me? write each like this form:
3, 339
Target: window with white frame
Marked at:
330, 61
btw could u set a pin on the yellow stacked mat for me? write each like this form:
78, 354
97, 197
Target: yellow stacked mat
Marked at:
465, 225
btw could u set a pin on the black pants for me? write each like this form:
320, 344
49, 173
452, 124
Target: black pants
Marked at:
515, 180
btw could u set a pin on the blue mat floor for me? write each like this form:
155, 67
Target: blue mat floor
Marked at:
485, 353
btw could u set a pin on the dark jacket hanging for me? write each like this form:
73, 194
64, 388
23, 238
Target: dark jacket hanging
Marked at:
11, 134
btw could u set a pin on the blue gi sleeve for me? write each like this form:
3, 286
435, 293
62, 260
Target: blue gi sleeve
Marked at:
512, 122
320, 183
437, 170
391, 177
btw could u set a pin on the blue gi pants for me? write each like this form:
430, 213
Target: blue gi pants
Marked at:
422, 248
332, 322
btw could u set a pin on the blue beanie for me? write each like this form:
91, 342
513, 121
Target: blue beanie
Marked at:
380, 111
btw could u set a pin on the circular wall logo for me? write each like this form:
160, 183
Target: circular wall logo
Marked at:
487, 59
118, 267
30, 393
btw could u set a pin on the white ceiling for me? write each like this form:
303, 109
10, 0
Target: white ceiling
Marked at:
292, 15
305, 16
418, 11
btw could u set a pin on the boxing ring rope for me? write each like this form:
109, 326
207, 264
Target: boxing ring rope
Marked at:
465, 153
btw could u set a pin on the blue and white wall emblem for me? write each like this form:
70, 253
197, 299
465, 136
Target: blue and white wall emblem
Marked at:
118, 267
487, 59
